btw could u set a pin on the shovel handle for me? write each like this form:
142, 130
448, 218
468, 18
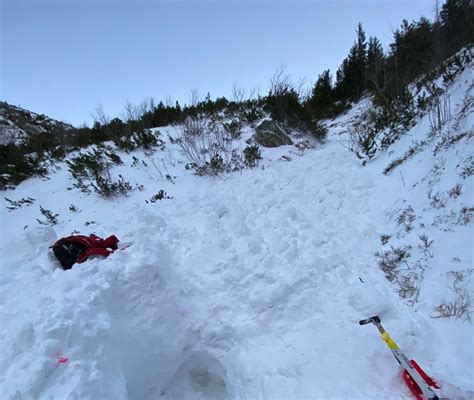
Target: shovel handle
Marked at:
372, 320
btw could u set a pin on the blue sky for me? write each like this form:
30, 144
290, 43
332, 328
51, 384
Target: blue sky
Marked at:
62, 58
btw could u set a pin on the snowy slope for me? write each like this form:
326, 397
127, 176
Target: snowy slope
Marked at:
433, 202
249, 285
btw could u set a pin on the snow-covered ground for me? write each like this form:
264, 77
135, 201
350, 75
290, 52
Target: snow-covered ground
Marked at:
249, 285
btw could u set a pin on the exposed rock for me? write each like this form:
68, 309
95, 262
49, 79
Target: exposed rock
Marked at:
17, 124
269, 134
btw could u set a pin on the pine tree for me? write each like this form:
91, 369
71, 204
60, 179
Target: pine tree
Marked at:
411, 54
457, 18
375, 65
339, 84
322, 96
350, 78
361, 60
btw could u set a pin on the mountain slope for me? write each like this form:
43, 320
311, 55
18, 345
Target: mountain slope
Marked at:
17, 124
248, 285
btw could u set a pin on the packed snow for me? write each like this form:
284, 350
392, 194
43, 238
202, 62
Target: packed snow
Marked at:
247, 285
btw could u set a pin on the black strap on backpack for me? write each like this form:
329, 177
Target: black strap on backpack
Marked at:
67, 252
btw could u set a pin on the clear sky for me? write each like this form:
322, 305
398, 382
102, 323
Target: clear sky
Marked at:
63, 57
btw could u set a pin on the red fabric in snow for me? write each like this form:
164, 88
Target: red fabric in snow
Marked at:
95, 246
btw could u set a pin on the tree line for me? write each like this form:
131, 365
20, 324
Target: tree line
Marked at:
417, 47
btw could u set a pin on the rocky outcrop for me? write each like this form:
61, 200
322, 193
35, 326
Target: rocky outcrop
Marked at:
270, 134
17, 124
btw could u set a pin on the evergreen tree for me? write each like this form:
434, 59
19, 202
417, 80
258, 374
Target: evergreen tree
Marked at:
339, 90
410, 54
350, 78
360, 60
457, 18
322, 95
375, 65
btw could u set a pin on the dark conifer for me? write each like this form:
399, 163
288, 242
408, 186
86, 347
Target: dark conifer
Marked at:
322, 95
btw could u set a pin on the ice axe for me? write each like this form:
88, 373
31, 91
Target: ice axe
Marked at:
419, 383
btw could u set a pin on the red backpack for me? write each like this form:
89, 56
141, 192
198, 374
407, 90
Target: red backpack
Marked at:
78, 248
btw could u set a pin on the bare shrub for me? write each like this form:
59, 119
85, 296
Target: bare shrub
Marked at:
101, 119
439, 109
156, 168
194, 127
465, 215
409, 283
286, 103
406, 278
455, 191
142, 111
426, 244
459, 309
363, 136
389, 261
233, 128
281, 83
466, 167
208, 147
406, 218
438, 200
238, 93
99, 115
194, 97
415, 148
467, 107
448, 141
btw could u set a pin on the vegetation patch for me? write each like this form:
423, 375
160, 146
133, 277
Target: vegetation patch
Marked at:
14, 205
91, 171
161, 195
458, 305
415, 148
49, 217
448, 141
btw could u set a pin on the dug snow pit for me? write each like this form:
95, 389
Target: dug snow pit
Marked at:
200, 376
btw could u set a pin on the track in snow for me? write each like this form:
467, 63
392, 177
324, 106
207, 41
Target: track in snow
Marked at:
247, 286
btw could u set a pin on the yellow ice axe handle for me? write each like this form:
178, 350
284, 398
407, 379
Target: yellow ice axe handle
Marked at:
390, 343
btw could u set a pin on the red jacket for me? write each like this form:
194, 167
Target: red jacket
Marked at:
79, 248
